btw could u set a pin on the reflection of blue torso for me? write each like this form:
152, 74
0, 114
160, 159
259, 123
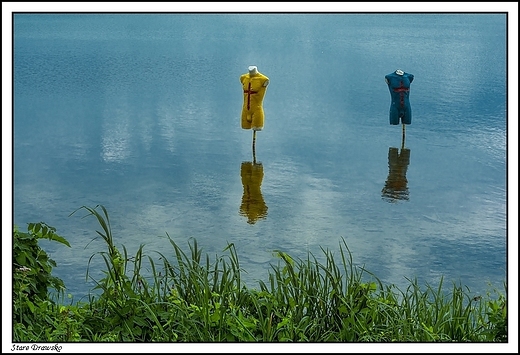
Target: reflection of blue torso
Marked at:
399, 86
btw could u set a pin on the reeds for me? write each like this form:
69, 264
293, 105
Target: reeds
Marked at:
188, 297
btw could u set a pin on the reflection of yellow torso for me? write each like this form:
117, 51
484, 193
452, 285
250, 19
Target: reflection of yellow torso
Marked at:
253, 205
254, 91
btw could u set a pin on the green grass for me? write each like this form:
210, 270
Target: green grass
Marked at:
190, 297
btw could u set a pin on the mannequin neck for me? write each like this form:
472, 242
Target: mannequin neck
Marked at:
253, 70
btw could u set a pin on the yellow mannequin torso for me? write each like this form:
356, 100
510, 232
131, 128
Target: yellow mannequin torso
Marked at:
254, 88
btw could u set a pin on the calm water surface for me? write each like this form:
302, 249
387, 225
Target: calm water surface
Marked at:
141, 113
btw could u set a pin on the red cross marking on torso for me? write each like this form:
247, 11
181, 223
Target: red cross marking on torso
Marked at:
249, 92
401, 90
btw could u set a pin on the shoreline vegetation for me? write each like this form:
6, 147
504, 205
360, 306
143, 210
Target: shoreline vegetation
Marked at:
191, 297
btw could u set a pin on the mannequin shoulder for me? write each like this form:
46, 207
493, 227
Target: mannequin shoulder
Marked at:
264, 79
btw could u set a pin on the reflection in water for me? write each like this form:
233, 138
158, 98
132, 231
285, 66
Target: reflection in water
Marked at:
396, 185
116, 137
253, 205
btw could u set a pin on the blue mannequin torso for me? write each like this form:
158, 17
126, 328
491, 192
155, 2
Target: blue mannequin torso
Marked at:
399, 86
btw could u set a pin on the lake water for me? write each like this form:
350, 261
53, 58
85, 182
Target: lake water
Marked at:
141, 113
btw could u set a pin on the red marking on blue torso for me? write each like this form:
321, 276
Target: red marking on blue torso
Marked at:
401, 90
